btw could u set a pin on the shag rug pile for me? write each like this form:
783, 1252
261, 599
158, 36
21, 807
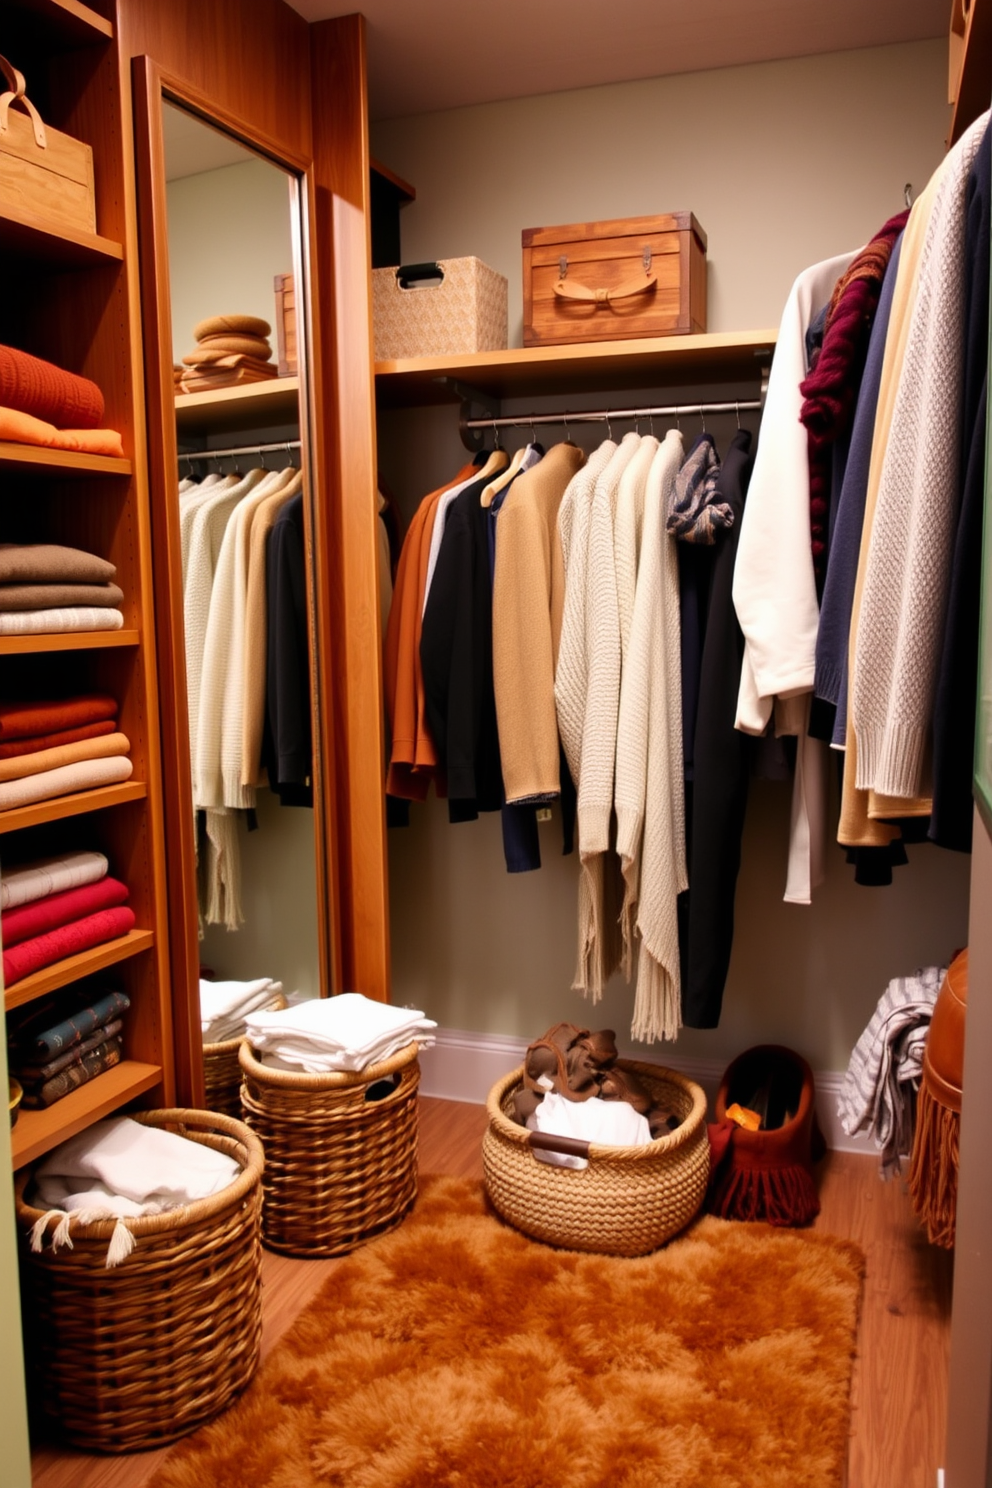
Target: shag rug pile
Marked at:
455, 1351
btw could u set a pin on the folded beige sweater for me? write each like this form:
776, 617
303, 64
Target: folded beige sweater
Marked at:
86, 775
47, 563
106, 746
60, 621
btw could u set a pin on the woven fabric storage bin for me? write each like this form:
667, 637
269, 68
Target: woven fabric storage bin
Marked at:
465, 311
339, 1168
222, 1072
628, 1201
135, 1356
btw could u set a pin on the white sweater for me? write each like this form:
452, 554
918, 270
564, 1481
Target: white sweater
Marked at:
901, 620
650, 801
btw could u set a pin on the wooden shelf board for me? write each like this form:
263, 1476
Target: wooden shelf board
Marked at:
77, 805
974, 83
37, 1132
275, 402
24, 235
72, 640
403, 188
667, 361
32, 459
72, 968
67, 23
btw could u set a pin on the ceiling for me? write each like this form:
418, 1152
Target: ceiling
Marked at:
425, 55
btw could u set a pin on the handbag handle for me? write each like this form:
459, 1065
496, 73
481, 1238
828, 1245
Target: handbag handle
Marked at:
408, 274
16, 94
574, 291
570, 1146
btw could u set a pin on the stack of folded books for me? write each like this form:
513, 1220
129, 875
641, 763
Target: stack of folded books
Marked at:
230, 350
44, 405
64, 1042
225, 1005
46, 588
347, 1032
58, 907
55, 748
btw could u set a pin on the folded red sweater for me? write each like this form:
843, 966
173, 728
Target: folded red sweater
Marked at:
34, 743
42, 915
48, 392
44, 950
22, 720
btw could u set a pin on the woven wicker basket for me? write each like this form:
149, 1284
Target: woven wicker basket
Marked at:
628, 1201
222, 1072
135, 1356
339, 1168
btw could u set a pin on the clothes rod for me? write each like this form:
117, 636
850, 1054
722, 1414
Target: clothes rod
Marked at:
285, 445
604, 415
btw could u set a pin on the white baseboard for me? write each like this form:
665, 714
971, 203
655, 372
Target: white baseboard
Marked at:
465, 1066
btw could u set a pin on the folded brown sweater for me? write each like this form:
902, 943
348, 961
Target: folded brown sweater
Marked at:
48, 392
47, 563
57, 596
31, 720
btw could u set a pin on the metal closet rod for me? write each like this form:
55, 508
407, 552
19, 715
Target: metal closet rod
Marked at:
245, 449
604, 415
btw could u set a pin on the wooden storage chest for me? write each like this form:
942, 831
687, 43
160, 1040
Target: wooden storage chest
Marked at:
46, 177
286, 325
612, 281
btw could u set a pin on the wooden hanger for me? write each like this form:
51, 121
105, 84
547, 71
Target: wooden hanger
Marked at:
496, 463
504, 478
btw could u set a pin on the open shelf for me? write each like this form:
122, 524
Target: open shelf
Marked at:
34, 459
25, 235
974, 83
72, 968
255, 406
77, 805
666, 361
65, 24
69, 640
37, 1132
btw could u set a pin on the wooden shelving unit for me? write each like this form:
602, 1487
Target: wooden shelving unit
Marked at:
667, 361
70, 303
255, 406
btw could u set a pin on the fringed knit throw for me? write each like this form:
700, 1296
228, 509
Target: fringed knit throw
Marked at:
696, 515
830, 390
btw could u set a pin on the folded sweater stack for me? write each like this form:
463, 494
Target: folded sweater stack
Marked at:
64, 1043
225, 1005
59, 907
44, 405
230, 350
347, 1032
55, 748
46, 588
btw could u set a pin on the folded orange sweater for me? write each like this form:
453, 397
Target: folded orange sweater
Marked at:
48, 392
23, 428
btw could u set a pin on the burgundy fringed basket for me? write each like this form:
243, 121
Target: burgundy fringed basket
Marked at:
767, 1174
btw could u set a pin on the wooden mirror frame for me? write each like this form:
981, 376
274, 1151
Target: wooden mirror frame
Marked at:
152, 89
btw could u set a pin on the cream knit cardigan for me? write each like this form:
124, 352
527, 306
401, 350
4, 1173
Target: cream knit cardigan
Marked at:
901, 620
650, 798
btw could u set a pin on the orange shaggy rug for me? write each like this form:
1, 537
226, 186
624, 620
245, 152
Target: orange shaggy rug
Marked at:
456, 1352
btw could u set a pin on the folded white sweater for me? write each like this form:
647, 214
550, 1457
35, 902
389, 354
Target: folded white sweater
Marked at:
225, 1005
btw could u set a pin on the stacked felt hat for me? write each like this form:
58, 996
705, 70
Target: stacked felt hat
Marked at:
230, 350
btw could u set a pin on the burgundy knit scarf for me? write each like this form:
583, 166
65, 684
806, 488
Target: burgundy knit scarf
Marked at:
830, 389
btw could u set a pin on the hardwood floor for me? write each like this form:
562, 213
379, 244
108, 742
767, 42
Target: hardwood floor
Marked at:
900, 1381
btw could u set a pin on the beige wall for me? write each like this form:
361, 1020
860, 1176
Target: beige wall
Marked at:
783, 164
229, 235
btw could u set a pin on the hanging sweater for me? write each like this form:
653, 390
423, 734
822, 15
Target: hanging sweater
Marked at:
907, 568
528, 593
256, 637
649, 789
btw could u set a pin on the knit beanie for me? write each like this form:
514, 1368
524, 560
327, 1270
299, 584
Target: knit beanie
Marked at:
766, 1174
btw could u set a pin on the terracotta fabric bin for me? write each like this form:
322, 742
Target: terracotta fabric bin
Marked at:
613, 281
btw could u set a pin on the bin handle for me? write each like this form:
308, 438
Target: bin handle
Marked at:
567, 290
16, 94
408, 274
570, 1146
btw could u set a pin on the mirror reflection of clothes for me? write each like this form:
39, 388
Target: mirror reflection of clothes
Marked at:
288, 747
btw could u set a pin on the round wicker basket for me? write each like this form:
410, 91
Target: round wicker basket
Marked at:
340, 1162
222, 1072
627, 1201
135, 1356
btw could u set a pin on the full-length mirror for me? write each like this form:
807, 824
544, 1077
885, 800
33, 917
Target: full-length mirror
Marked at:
229, 291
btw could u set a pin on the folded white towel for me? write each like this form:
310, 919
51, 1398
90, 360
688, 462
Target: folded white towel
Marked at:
608, 1123
224, 1006
50, 876
122, 1169
347, 1032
